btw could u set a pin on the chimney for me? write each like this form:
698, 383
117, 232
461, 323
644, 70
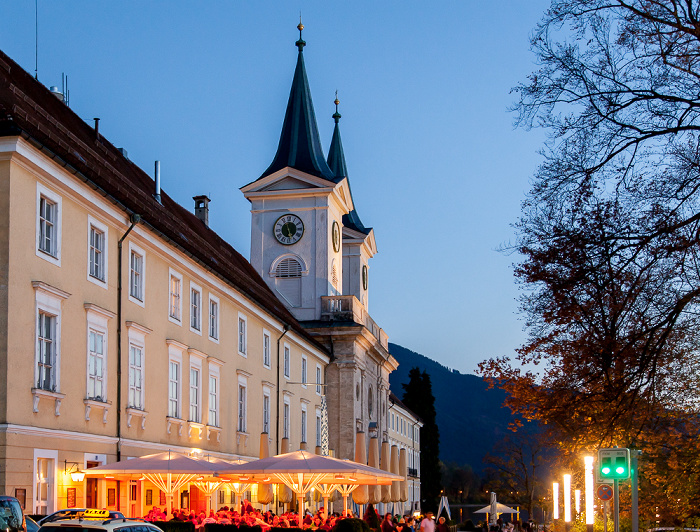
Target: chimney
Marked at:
157, 194
201, 208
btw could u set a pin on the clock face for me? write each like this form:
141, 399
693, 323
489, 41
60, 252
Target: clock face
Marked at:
336, 236
288, 229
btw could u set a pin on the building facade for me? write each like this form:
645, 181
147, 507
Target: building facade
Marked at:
127, 326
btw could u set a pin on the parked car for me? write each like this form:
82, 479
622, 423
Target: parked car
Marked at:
11, 515
76, 513
32, 526
98, 521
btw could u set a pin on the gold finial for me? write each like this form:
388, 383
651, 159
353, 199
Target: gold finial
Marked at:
337, 101
300, 27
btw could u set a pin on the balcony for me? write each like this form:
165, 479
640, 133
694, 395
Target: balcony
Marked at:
349, 308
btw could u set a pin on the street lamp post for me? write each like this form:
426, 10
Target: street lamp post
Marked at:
588, 464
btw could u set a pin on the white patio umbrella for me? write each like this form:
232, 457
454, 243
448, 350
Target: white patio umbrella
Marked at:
360, 495
169, 471
265, 491
403, 471
396, 485
386, 466
302, 470
375, 492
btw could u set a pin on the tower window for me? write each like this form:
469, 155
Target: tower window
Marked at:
288, 268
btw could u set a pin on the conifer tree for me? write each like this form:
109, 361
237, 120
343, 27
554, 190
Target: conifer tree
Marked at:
418, 396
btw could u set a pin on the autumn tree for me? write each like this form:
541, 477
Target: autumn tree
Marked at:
418, 396
518, 469
608, 239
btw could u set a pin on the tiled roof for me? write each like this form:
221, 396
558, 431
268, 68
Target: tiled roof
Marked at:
29, 110
394, 399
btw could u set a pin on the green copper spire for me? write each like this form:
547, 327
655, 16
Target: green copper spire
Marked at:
336, 162
336, 157
300, 144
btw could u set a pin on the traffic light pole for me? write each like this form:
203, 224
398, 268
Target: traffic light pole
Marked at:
635, 489
616, 504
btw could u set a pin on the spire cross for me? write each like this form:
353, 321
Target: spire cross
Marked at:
336, 115
300, 43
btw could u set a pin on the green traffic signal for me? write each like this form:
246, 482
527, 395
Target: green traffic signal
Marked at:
614, 464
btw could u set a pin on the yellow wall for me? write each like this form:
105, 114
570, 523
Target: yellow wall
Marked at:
70, 433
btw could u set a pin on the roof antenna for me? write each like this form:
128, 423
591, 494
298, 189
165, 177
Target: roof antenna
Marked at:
36, 40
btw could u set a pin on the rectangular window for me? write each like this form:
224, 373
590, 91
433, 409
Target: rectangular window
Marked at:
213, 401
194, 395
213, 318
286, 361
241, 408
266, 413
174, 390
242, 338
136, 377
136, 275
48, 242
303, 425
175, 297
96, 366
285, 421
303, 372
46, 339
319, 382
266, 350
318, 430
97, 248
196, 309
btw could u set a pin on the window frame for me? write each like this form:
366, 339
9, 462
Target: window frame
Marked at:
136, 250
304, 371
55, 199
286, 414
48, 301
242, 338
287, 361
242, 406
303, 423
196, 289
266, 410
175, 357
171, 307
266, 349
215, 300
103, 262
137, 339
319, 380
318, 428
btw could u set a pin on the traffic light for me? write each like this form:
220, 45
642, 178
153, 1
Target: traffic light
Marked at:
614, 464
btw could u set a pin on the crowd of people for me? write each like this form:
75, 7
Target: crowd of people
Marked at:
249, 516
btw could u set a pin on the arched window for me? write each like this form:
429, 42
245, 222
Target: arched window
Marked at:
288, 271
287, 268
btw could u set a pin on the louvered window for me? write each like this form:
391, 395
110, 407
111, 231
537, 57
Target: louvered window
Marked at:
288, 268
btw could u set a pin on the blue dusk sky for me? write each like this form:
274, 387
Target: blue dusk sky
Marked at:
435, 164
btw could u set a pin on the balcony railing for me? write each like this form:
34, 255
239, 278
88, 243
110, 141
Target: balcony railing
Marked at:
349, 308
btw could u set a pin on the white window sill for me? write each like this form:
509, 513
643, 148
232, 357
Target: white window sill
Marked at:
99, 405
39, 393
132, 412
211, 429
175, 421
194, 425
244, 436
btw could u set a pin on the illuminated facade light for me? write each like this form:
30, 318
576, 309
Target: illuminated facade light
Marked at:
590, 513
567, 498
577, 500
555, 500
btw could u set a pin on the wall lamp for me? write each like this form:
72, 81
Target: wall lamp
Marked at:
75, 474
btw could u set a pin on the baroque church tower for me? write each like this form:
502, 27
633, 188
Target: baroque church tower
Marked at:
308, 243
